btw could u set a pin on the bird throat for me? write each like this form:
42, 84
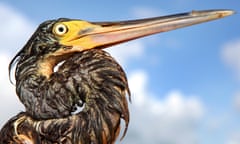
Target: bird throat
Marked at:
46, 65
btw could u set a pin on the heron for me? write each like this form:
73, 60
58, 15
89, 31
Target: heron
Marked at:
72, 90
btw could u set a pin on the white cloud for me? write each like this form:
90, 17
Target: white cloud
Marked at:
123, 53
236, 101
173, 119
9, 103
15, 29
231, 55
234, 139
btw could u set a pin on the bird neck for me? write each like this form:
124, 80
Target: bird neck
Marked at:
37, 69
47, 64
35, 81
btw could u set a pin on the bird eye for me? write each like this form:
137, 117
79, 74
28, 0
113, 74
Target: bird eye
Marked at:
60, 29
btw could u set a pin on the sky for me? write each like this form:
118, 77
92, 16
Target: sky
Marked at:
184, 83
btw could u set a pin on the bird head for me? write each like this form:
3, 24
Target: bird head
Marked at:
56, 39
69, 35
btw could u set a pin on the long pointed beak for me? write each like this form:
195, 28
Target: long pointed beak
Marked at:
104, 34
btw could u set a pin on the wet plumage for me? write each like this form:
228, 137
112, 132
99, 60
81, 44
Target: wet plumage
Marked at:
72, 90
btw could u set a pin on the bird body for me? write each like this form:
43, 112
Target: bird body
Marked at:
63, 68
92, 78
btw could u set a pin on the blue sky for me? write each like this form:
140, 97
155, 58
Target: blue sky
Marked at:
185, 81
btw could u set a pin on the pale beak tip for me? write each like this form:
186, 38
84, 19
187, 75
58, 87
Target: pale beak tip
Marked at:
224, 13
213, 13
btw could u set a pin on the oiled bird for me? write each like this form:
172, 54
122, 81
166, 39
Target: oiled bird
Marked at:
63, 67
